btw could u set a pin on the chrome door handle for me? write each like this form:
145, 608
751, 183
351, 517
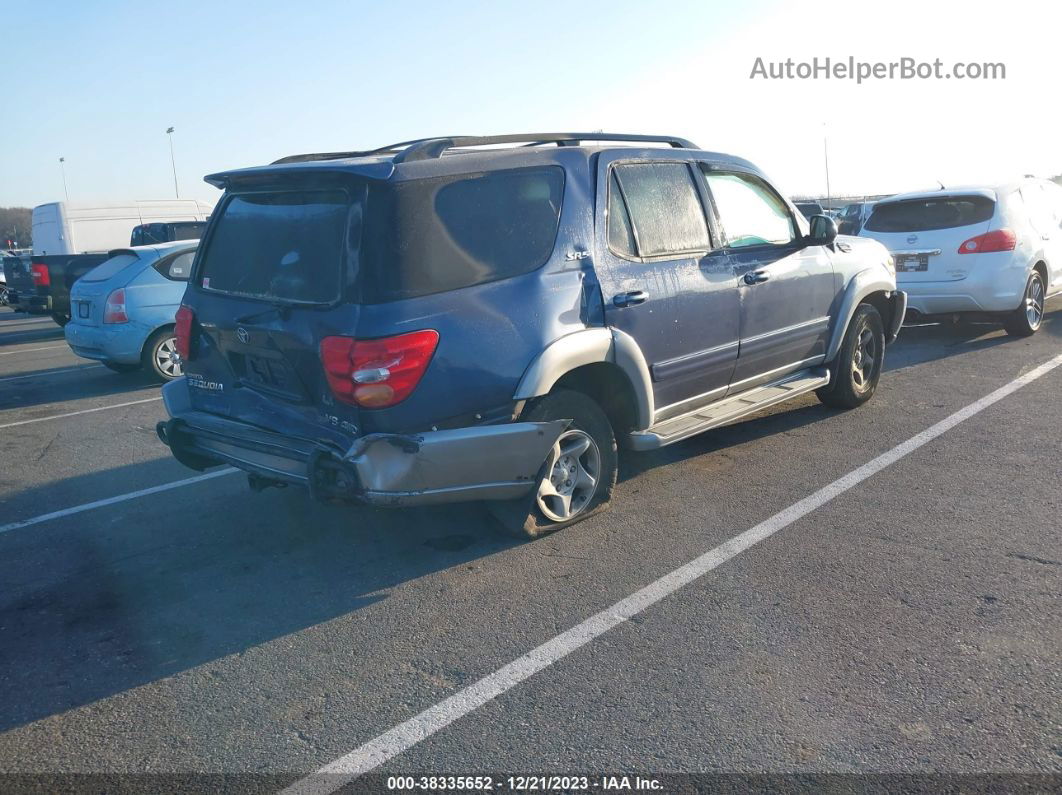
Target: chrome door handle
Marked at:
632, 298
756, 277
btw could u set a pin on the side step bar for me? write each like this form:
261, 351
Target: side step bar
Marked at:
728, 410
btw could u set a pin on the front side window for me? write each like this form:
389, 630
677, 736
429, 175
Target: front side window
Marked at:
751, 213
665, 212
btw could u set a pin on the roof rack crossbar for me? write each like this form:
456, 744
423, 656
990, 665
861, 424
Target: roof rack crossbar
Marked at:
431, 148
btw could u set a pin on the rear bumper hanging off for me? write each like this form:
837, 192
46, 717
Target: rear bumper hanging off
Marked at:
488, 462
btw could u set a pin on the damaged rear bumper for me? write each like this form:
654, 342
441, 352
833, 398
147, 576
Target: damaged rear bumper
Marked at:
488, 462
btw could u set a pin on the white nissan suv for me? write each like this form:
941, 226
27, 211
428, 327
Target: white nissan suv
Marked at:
986, 251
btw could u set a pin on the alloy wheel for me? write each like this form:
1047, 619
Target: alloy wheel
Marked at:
1034, 303
571, 475
863, 358
167, 360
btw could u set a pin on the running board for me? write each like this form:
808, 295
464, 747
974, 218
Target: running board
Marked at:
728, 410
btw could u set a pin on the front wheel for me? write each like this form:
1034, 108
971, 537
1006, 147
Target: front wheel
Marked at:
160, 355
578, 476
855, 372
1026, 319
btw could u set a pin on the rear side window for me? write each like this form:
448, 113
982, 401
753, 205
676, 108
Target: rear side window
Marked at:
109, 268
177, 267
665, 212
924, 215
751, 213
431, 235
286, 246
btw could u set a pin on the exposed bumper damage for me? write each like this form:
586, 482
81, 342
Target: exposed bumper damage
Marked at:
488, 462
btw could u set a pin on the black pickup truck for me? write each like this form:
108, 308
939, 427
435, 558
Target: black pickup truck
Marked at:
44, 287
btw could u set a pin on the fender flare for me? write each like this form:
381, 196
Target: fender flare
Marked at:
591, 346
864, 283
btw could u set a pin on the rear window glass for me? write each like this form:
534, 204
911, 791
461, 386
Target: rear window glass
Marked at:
109, 268
923, 215
430, 235
285, 246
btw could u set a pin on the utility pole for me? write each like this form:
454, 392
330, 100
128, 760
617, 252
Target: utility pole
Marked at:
62, 170
173, 163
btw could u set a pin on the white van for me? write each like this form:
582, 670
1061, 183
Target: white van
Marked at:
73, 228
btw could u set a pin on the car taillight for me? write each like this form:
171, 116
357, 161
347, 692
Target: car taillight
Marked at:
40, 275
996, 240
376, 374
114, 310
185, 319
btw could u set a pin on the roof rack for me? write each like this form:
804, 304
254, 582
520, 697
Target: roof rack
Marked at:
431, 148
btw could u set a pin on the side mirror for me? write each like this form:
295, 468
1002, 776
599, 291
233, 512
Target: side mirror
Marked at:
823, 231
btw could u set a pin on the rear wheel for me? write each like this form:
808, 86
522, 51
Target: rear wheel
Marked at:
1026, 319
854, 373
578, 476
160, 355
60, 318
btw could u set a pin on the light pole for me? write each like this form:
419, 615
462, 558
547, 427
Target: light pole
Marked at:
826, 161
62, 170
173, 163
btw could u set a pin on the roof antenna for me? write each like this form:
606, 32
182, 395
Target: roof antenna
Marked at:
941, 185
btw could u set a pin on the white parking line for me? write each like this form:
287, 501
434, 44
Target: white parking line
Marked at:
44, 373
33, 350
83, 411
386, 746
88, 506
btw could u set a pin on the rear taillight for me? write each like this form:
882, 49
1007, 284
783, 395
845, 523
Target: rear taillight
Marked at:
114, 310
185, 319
40, 275
376, 374
996, 240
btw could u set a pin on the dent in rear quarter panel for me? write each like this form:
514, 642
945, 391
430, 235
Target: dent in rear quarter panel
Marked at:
490, 333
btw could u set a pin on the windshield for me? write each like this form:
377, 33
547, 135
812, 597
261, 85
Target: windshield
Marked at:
923, 215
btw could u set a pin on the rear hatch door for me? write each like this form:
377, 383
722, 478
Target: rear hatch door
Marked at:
924, 234
269, 284
89, 294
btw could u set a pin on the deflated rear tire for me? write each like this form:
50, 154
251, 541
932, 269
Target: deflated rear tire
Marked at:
578, 476
855, 372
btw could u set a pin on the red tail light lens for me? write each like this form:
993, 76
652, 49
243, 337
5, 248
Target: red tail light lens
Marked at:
40, 275
185, 320
114, 311
377, 374
996, 240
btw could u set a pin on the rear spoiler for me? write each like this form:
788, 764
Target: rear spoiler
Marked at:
379, 170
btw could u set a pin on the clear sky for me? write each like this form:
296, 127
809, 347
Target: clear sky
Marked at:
246, 82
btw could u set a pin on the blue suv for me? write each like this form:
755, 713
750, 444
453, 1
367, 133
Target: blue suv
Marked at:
490, 318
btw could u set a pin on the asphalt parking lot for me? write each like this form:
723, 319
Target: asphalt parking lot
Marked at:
913, 623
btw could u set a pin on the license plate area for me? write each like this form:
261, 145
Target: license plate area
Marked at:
911, 263
266, 372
